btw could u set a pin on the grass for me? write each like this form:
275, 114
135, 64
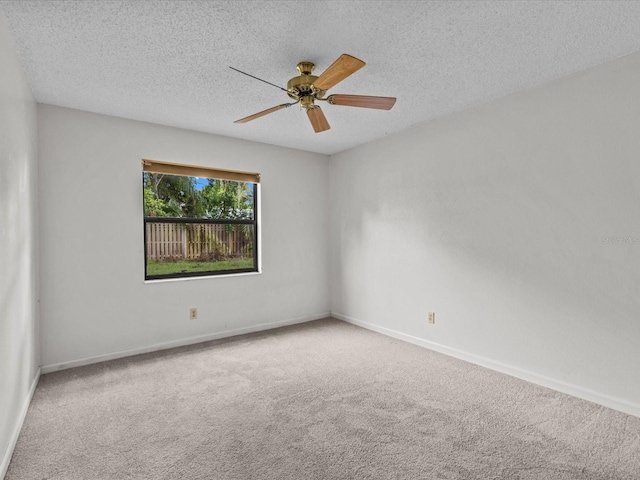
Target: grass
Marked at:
155, 267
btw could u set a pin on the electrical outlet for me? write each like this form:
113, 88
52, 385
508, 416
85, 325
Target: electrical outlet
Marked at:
193, 313
432, 317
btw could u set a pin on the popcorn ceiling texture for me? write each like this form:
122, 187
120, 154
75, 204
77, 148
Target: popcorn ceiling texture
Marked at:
167, 61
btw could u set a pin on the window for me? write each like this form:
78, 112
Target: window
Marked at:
198, 221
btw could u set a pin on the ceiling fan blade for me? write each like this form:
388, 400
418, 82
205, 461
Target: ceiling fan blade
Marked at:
264, 112
318, 120
338, 71
381, 103
244, 73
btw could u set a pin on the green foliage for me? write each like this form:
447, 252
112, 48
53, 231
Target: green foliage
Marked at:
155, 267
177, 196
228, 200
153, 206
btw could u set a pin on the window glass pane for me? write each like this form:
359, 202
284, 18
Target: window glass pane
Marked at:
191, 197
184, 248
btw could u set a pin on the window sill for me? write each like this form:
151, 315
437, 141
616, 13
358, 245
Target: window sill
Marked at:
203, 277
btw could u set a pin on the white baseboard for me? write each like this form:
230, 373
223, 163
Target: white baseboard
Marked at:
6, 459
558, 385
180, 343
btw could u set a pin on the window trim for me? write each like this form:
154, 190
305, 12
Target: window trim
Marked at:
153, 166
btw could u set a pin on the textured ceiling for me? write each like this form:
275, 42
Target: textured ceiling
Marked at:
167, 61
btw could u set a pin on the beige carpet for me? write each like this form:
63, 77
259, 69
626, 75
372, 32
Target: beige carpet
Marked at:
323, 400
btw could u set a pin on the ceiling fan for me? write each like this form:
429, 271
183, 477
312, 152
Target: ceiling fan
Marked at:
306, 89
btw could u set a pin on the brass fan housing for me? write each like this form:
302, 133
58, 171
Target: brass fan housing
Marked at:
301, 88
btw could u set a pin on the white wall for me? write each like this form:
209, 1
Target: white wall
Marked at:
94, 300
19, 345
494, 218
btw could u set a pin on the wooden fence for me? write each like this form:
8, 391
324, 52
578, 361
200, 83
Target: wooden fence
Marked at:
193, 241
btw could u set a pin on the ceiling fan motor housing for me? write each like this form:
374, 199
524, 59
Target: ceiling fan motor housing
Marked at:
301, 88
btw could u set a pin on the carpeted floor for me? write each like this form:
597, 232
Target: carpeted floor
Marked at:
322, 400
